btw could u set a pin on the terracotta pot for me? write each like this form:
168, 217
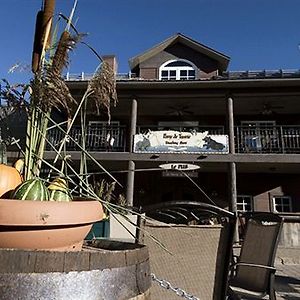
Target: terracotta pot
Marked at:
47, 225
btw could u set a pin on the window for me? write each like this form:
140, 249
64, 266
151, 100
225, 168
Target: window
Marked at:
282, 203
244, 203
177, 70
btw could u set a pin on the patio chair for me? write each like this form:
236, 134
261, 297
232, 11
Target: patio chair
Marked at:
254, 273
191, 258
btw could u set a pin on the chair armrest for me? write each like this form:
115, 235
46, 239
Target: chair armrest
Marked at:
254, 266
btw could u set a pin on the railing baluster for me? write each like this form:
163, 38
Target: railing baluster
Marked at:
282, 140
275, 139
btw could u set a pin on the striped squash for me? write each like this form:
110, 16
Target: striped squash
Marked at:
59, 190
57, 195
33, 189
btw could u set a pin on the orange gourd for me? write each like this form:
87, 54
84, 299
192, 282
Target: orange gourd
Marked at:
10, 178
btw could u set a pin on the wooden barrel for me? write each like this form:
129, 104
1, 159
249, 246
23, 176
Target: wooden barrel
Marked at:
106, 270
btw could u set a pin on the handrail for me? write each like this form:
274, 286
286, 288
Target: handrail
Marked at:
98, 137
226, 75
215, 209
270, 139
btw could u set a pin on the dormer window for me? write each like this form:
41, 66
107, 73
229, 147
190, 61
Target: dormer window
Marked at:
177, 70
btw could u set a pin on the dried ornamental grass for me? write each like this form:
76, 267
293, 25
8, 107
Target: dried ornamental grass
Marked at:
48, 87
66, 43
50, 90
103, 86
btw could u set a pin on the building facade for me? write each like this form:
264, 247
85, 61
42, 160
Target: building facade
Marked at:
180, 109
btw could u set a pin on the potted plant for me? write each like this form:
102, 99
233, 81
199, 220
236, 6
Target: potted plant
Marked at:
104, 191
40, 212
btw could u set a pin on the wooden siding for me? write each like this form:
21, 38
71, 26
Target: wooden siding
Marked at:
206, 67
149, 73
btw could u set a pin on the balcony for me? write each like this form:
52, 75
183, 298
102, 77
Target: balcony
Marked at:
97, 138
274, 139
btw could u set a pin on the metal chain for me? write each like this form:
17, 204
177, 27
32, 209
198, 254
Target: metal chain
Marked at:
167, 285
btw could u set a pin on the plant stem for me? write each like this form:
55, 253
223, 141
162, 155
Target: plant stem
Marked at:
58, 153
41, 142
83, 165
29, 145
85, 96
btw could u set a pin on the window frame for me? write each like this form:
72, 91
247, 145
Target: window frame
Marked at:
281, 197
250, 197
177, 69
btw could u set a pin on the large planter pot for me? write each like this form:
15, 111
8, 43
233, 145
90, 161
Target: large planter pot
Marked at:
47, 225
103, 270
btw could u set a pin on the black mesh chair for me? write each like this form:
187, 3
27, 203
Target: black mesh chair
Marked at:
253, 274
190, 247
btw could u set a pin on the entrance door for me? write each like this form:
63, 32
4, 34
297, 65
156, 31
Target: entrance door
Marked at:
177, 189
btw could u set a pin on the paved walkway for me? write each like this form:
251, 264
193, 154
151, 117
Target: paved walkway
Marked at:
287, 280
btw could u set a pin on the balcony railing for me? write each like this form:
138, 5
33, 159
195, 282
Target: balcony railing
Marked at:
271, 139
87, 76
97, 138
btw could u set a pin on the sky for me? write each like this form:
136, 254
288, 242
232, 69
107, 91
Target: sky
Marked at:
255, 34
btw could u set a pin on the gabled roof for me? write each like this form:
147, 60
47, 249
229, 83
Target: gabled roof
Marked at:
222, 59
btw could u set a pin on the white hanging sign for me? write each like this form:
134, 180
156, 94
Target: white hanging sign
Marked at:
179, 166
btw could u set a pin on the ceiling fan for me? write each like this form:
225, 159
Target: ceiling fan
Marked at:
269, 109
179, 110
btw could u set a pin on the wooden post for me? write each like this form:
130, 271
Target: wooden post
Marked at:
130, 183
233, 191
131, 164
133, 123
232, 165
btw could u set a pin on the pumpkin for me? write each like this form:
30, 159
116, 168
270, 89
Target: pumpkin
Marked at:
32, 189
10, 178
59, 190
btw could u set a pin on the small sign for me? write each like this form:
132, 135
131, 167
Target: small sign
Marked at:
179, 166
168, 173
